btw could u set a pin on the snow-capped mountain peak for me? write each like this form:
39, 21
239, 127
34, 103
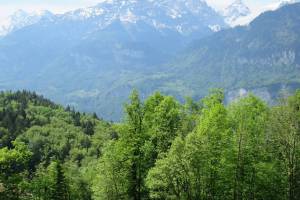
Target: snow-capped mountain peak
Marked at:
235, 11
21, 19
183, 16
286, 2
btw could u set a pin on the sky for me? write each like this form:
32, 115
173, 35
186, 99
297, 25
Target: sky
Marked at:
7, 7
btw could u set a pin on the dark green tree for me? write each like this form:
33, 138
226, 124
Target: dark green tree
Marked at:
60, 188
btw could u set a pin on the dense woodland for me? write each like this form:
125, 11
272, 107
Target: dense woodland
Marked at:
162, 149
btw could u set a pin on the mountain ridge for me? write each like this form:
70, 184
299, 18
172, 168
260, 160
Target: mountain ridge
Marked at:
99, 68
21, 19
181, 16
258, 55
235, 11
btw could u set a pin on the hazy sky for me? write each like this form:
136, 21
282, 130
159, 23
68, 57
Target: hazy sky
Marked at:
7, 7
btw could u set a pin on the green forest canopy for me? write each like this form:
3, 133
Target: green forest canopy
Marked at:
162, 150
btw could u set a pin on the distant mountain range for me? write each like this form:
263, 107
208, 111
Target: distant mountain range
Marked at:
107, 11
183, 16
92, 58
110, 10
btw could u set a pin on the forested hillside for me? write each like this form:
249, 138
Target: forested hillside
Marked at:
261, 57
162, 149
45, 148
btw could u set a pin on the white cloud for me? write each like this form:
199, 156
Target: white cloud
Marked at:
256, 7
219, 4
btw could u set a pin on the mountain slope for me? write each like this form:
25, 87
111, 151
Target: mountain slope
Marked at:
90, 53
92, 58
21, 19
263, 57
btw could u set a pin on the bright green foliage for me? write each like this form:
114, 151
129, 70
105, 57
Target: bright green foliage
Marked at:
13, 162
206, 147
163, 121
58, 140
192, 168
170, 178
45, 132
211, 140
250, 160
133, 135
162, 150
285, 145
190, 114
230, 155
113, 173
123, 165
167, 123
49, 183
148, 131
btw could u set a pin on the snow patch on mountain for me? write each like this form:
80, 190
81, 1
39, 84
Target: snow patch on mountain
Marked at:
235, 11
183, 16
129, 17
215, 28
270, 7
21, 19
282, 3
